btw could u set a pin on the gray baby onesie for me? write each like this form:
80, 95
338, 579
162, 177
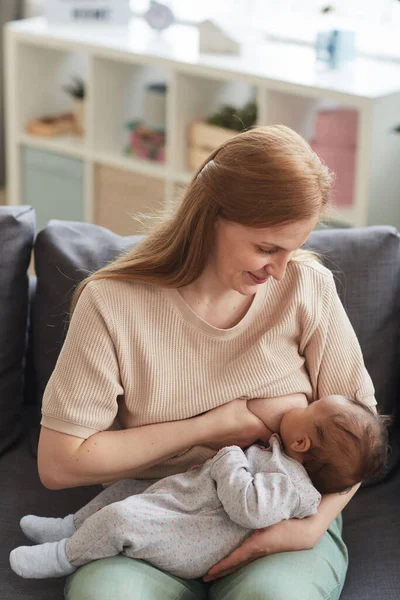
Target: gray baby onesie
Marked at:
186, 523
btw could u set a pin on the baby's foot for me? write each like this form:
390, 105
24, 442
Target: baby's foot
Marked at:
47, 529
41, 561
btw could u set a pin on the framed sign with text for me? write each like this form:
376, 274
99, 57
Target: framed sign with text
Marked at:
69, 12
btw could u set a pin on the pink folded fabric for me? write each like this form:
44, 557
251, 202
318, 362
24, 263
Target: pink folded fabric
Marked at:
341, 160
336, 127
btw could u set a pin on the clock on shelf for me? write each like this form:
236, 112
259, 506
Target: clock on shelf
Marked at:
159, 16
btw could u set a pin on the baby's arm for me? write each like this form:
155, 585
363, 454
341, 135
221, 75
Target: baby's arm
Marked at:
271, 410
252, 501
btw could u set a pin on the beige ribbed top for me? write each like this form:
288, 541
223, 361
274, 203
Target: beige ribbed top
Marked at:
137, 354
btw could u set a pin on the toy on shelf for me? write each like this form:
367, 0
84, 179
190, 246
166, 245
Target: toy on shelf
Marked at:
204, 136
77, 91
147, 135
145, 141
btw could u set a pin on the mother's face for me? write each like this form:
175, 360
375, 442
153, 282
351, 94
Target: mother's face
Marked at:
245, 257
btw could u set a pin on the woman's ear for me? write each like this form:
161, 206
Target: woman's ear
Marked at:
301, 444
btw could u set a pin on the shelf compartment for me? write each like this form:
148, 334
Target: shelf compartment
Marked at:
119, 97
198, 98
43, 73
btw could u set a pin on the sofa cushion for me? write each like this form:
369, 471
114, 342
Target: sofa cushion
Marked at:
371, 525
366, 266
17, 230
65, 253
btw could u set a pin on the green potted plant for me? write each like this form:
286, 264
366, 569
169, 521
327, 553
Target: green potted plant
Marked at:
76, 89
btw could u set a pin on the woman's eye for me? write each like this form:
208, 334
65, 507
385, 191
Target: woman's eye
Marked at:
264, 251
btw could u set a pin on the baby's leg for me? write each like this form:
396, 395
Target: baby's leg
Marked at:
114, 493
48, 529
103, 534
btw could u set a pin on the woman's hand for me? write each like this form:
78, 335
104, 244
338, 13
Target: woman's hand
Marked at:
233, 424
285, 536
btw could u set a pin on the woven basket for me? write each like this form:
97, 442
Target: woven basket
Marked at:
120, 196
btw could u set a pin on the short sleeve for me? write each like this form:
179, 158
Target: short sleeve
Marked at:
81, 397
333, 355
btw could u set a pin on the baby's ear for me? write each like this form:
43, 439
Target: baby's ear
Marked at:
301, 444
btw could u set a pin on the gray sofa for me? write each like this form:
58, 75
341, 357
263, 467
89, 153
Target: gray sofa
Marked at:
33, 322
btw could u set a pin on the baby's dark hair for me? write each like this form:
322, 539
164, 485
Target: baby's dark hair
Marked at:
351, 447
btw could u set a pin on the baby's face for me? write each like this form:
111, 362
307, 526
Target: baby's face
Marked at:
301, 421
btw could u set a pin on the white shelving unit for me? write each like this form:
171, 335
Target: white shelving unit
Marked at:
117, 64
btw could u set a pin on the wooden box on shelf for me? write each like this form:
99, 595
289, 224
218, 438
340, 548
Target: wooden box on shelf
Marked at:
120, 196
202, 139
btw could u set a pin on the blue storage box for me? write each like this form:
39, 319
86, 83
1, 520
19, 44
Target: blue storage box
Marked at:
53, 185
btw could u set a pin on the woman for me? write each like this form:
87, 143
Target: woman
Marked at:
216, 306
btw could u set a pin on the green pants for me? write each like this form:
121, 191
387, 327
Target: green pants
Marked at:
316, 574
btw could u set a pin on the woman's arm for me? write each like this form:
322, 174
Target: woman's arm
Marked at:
66, 461
286, 536
331, 506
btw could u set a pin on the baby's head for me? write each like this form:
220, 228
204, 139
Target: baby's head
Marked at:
340, 442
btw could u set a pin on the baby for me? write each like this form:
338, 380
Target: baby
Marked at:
186, 523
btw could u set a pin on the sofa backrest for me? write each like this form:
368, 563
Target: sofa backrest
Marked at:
366, 266
17, 230
65, 253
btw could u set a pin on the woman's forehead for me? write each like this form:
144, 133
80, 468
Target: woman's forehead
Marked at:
292, 234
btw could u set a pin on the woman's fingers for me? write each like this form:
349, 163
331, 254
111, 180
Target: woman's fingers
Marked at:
285, 536
243, 555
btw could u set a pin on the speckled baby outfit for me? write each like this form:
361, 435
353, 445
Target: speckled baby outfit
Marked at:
186, 523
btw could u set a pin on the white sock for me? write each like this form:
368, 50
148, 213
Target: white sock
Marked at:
41, 561
47, 529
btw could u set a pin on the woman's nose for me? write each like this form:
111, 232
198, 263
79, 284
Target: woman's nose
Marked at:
277, 268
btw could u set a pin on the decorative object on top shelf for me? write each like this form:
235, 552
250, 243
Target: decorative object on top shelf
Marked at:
215, 38
334, 47
73, 12
159, 16
76, 89
205, 136
335, 142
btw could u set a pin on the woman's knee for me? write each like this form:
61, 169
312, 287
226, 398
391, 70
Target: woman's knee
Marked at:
122, 578
286, 589
253, 585
315, 574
